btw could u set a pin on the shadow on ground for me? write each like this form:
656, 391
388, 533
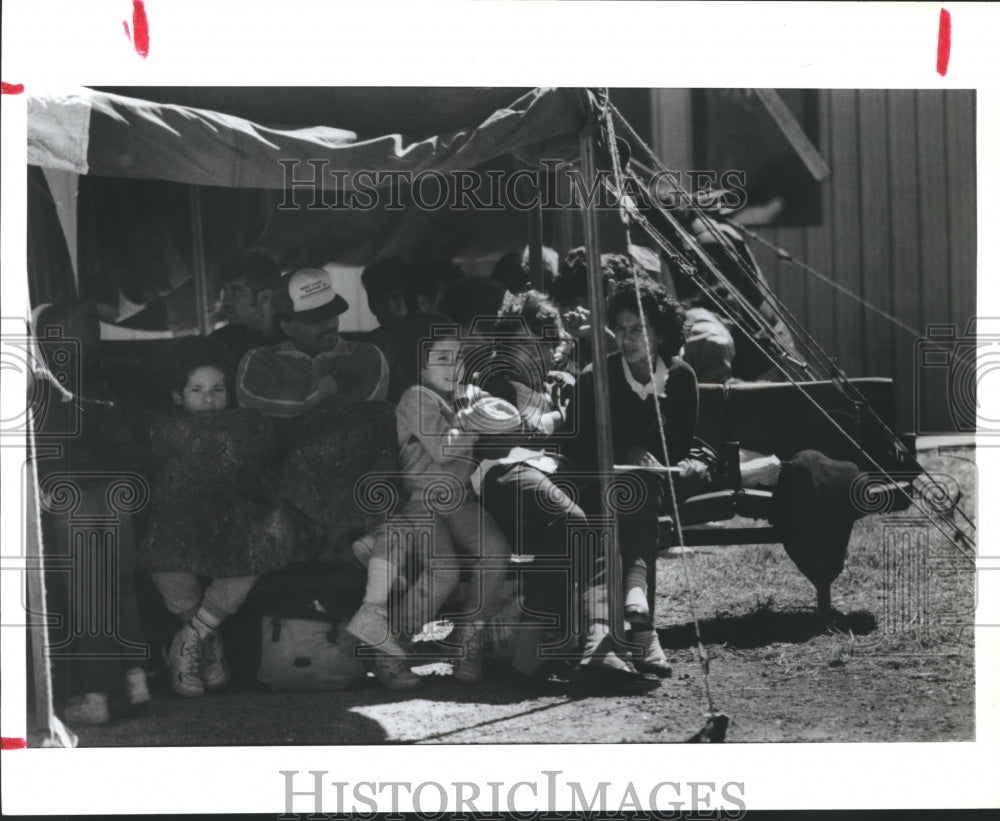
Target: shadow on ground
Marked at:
365, 714
765, 626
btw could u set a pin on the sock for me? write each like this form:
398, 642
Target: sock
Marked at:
635, 599
598, 641
136, 687
380, 577
636, 577
205, 621
650, 643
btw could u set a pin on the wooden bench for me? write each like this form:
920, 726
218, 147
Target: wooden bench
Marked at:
780, 419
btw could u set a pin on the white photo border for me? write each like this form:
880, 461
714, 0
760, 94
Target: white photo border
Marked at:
65, 44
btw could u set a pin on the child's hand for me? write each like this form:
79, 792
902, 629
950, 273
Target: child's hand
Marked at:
575, 320
559, 394
561, 379
469, 394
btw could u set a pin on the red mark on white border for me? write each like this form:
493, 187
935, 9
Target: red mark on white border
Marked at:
944, 42
12, 88
140, 25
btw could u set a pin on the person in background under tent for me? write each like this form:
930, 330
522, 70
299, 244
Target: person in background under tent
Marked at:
251, 286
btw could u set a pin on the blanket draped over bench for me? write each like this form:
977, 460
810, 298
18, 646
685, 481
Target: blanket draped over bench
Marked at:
813, 514
326, 453
209, 511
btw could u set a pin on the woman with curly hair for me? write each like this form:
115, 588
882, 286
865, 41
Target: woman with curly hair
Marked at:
520, 487
645, 373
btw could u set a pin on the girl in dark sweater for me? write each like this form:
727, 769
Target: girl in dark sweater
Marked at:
647, 369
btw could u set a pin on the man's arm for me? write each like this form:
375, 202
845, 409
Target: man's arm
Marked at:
278, 384
360, 376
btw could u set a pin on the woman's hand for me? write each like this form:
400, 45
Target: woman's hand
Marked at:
643, 458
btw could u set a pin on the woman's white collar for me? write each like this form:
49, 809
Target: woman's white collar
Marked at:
658, 383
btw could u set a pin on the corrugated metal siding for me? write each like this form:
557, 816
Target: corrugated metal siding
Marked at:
898, 229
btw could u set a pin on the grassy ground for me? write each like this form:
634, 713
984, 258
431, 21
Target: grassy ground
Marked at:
904, 614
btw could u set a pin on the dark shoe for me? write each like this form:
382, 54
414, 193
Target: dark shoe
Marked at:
395, 673
657, 667
88, 708
611, 676
468, 668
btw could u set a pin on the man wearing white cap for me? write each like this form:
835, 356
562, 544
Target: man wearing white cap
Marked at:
315, 365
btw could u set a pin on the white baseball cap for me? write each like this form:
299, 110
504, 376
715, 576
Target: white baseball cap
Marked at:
313, 295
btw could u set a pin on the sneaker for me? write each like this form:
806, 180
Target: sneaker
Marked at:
214, 670
653, 660
88, 708
636, 605
136, 688
184, 661
395, 673
469, 667
370, 625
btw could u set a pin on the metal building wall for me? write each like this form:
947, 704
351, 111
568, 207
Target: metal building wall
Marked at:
898, 228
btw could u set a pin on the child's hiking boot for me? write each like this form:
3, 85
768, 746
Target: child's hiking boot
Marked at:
184, 661
395, 674
88, 708
469, 667
136, 688
214, 670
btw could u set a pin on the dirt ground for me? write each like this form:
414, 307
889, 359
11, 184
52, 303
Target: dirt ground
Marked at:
895, 699
886, 670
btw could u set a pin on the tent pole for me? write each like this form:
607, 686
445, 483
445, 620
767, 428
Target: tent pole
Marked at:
201, 298
54, 732
536, 263
598, 322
